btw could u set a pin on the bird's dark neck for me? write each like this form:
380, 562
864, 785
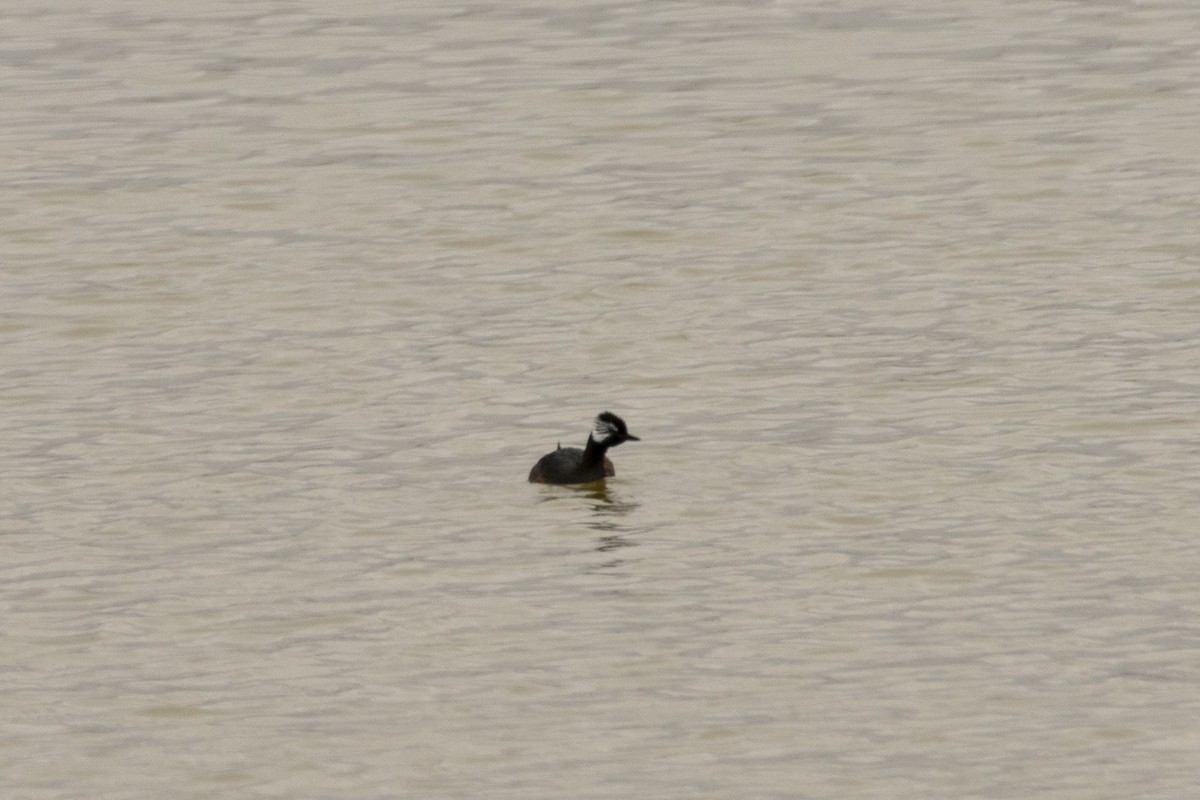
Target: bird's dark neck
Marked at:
594, 452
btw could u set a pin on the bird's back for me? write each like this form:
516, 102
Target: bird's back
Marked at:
567, 465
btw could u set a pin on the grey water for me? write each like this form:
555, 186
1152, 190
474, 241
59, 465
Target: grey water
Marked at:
902, 299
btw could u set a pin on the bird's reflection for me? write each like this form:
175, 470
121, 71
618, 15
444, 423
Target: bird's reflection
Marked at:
607, 513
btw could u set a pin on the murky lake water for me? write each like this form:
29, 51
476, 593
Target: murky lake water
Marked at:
903, 300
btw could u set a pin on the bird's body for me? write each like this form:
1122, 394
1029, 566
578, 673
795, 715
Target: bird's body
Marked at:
573, 465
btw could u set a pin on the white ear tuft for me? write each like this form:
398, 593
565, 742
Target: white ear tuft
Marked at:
601, 430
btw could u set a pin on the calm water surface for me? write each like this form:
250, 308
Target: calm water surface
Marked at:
903, 300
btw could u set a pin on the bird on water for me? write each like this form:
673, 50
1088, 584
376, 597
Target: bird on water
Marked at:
572, 465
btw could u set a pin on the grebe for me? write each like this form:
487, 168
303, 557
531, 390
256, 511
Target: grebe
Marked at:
572, 465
